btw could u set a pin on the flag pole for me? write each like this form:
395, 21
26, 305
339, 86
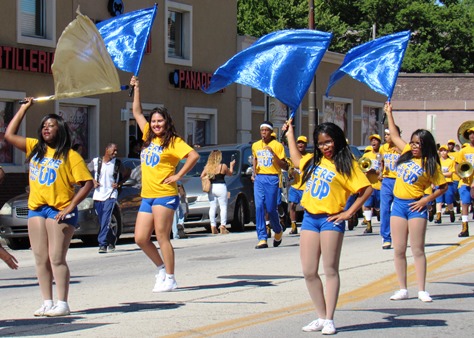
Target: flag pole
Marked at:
312, 119
38, 99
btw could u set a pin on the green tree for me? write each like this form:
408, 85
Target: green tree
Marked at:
442, 31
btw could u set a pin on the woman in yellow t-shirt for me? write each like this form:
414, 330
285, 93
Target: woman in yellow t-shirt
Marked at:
418, 167
329, 177
54, 170
161, 153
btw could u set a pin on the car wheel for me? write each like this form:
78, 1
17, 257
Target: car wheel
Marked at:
91, 240
115, 224
17, 243
238, 223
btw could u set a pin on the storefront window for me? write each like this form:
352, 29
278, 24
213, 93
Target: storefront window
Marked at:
77, 119
336, 112
370, 119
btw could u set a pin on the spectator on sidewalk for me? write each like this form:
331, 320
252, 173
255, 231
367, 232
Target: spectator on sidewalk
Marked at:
217, 171
108, 173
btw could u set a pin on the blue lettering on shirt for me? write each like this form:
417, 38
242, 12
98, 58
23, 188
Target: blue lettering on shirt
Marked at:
390, 161
264, 158
410, 172
469, 158
44, 171
319, 183
151, 155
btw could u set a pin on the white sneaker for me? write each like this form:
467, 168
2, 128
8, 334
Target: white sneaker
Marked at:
40, 312
400, 294
169, 284
160, 279
315, 325
424, 297
58, 311
329, 327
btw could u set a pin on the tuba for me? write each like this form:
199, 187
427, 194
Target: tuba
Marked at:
365, 164
464, 169
463, 136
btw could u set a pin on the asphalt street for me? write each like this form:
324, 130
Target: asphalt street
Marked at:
226, 288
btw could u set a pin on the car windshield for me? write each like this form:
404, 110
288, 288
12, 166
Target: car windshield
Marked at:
198, 168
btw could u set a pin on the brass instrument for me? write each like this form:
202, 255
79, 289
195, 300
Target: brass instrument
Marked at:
464, 169
463, 136
365, 164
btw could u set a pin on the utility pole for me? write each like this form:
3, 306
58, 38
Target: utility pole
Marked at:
312, 118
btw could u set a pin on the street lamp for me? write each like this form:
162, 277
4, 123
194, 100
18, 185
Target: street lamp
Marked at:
312, 118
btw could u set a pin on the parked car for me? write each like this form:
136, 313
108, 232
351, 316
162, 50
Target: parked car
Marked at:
14, 213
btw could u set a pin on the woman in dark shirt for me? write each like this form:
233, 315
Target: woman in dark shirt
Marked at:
218, 193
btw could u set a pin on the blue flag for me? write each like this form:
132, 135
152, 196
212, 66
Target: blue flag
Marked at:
281, 64
125, 37
375, 63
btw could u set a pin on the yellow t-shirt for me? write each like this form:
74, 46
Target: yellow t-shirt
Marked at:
265, 163
52, 180
453, 155
412, 181
390, 157
158, 163
298, 173
372, 176
448, 166
327, 191
465, 154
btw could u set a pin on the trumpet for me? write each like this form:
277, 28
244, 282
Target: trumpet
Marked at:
365, 164
464, 169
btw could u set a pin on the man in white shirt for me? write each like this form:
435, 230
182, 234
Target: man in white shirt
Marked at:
106, 171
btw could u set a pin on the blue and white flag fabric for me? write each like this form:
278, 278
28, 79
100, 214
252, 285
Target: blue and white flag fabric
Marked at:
375, 63
126, 36
281, 64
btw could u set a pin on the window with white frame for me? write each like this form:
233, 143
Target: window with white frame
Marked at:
36, 22
338, 112
201, 126
178, 33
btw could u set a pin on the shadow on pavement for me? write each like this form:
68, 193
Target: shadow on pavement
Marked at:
43, 326
392, 322
245, 281
131, 307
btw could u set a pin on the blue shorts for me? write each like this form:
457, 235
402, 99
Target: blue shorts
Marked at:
294, 195
170, 202
401, 208
318, 223
465, 194
448, 196
45, 211
374, 200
